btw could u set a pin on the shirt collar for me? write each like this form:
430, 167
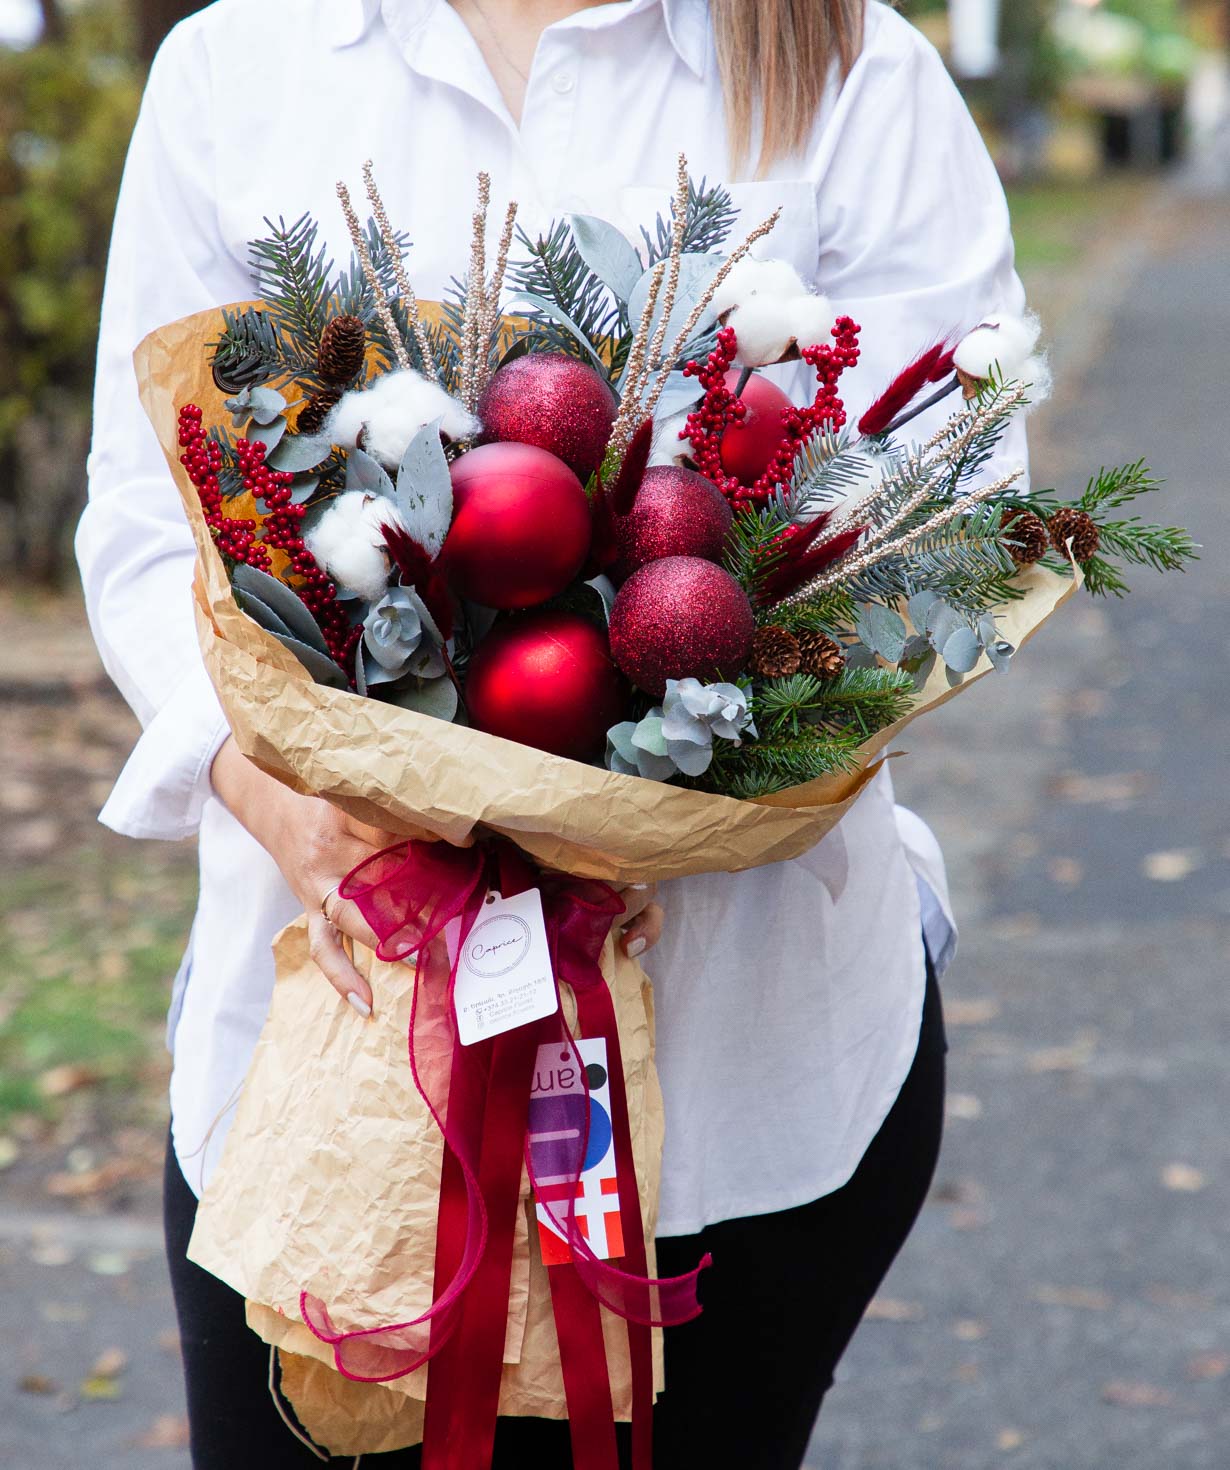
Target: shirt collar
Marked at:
687, 22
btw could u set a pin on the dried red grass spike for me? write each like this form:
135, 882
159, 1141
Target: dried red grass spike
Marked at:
902, 391
420, 571
623, 492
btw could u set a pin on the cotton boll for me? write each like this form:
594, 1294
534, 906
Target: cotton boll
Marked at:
392, 411
764, 326
813, 318
1002, 343
348, 544
750, 277
1037, 373
667, 446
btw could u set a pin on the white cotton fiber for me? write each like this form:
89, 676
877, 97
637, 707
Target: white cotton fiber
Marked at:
392, 411
348, 544
750, 277
813, 318
668, 447
768, 327
1000, 344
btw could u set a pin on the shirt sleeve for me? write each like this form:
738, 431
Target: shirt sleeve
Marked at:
134, 547
915, 239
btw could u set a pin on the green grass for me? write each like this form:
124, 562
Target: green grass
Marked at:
1056, 224
88, 947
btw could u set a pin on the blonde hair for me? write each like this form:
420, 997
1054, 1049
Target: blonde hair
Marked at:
774, 57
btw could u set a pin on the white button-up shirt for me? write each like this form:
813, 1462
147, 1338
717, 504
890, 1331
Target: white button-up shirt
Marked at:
788, 999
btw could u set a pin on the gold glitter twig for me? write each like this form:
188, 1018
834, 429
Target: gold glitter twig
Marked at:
359, 241
685, 336
399, 274
654, 360
630, 414
491, 313
476, 304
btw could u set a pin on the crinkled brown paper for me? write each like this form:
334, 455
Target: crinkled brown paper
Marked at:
330, 1175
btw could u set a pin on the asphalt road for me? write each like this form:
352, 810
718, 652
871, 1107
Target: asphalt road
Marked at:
1064, 1303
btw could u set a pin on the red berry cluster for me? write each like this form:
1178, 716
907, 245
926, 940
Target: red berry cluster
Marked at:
202, 458
720, 408
281, 529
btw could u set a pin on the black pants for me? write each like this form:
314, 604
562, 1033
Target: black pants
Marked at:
744, 1381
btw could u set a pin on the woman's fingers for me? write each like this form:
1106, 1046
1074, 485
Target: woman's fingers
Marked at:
325, 947
636, 898
347, 917
644, 931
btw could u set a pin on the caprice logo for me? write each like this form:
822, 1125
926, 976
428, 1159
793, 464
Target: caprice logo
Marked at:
497, 945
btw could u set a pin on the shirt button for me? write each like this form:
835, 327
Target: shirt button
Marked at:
563, 82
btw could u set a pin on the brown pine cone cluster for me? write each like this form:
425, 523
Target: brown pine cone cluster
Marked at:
343, 344
1077, 526
820, 655
1030, 538
316, 410
775, 653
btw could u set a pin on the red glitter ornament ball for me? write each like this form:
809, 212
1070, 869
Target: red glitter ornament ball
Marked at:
521, 526
679, 618
749, 444
676, 513
553, 402
547, 680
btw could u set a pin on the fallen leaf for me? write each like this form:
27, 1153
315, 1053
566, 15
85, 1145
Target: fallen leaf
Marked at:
38, 1383
1008, 1440
965, 1218
167, 1432
50, 1253
1084, 1299
110, 1363
970, 1012
1066, 871
1205, 1367
968, 1329
63, 1312
963, 1105
168, 1340
890, 1309
1126, 1395
1115, 787
1183, 1301
1071, 1058
1183, 1179
96, 1389
1172, 867
967, 1373
85, 1183
108, 1263
71, 1077
10, 1151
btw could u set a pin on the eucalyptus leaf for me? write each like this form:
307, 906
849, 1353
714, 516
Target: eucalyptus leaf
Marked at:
304, 488
859, 656
883, 630
605, 589
549, 308
434, 697
321, 666
286, 603
607, 252
695, 274
364, 473
679, 393
261, 613
424, 494
942, 622
270, 434
299, 452
1001, 654
920, 605
962, 650
925, 667
265, 404
360, 672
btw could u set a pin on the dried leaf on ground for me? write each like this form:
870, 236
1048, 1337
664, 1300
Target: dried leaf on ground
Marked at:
1207, 1367
969, 1329
1071, 1058
1008, 1440
891, 1309
71, 1077
1183, 1179
73, 1185
972, 1012
110, 1363
1125, 1395
1083, 1298
38, 1383
1112, 788
963, 1105
96, 1389
167, 1432
1173, 866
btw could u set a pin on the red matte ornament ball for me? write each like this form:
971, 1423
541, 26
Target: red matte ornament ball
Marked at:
547, 680
680, 618
521, 526
676, 513
750, 443
553, 402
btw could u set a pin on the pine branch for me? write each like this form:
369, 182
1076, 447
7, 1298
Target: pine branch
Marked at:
252, 350
708, 221
1111, 488
293, 278
831, 612
861, 701
556, 272
762, 767
826, 468
751, 553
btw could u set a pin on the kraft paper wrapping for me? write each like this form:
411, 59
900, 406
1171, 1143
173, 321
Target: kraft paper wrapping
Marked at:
330, 1175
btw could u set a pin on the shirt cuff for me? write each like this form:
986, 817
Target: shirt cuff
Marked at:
926, 859
165, 783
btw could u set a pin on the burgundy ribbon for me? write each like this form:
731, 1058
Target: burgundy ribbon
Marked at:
408, 894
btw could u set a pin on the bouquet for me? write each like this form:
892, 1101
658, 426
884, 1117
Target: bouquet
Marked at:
568, 587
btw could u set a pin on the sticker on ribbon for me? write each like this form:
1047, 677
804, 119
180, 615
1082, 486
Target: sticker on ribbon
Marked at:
504, 977
556, 1135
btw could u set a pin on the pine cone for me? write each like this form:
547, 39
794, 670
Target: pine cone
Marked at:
316, 410
1030, 538
820, 656
1077, 526
775, 653
342, 346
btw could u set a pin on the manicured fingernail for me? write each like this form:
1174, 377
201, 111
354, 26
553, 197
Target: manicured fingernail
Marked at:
360, 1005
635, 946
638, 887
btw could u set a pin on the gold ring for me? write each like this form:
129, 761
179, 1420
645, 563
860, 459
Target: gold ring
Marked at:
324, 902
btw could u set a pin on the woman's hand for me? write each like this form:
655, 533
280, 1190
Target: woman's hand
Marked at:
315, 846
642, 918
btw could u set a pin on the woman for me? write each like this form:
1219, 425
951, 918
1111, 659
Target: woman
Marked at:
799, 1040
